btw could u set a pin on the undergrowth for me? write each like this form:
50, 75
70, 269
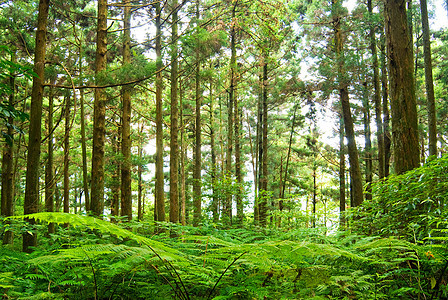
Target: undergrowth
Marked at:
395, 249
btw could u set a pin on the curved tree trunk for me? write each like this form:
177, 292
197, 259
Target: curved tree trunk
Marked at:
355, 171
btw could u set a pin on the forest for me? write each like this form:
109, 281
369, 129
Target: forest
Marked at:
224, 149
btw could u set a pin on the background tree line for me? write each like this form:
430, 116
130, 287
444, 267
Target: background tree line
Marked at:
219, 87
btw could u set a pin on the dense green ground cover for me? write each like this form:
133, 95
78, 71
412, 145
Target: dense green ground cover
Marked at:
394, 248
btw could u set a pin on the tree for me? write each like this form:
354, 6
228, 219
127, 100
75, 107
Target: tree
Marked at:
197, 184
402, 88
160, 194
33, 159
174, 130
376, 91
99, 118
355, 172
430, 100
126, 143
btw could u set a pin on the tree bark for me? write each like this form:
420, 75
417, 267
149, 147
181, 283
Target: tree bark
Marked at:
402, 88
85, 183
263, 185
139, 175
66, 155
215, 204
33, 160
368, 143
126, 143
99, 115
7, 197
429, 84
355, 171
238, 174
197, 197
183, 207
227, 207
376, 93
159, 192
342, 204
174, 132
385, 104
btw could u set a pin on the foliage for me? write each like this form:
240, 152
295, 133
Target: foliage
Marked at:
407, 205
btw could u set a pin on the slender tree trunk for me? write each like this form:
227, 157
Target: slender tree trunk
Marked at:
386, 114
227, 207
66, 155
85, 183
288, 156
183, 206
238, 174
430, 100
139, 174
197, 197
159, 192
99, 115
314, 189
355, 171
126, 143
33, 160
215, 211
7, 198
115, 182
259, 152
342, 222
402, 89
368, 143
376, 94
174, 132
263, 196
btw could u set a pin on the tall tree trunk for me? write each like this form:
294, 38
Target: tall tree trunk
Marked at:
355, 171
115, 185
174, 132
183, 206
214, 205
159, 192
402, 88
66, 155
342, 204
7, 198
85, 183
227, 207
376, 93
238, 174
430, 100
197, 197
263, 185
139, 174
288, 156
126, 143
33, 160
99, 115
259, 152
385, 104
368, 143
